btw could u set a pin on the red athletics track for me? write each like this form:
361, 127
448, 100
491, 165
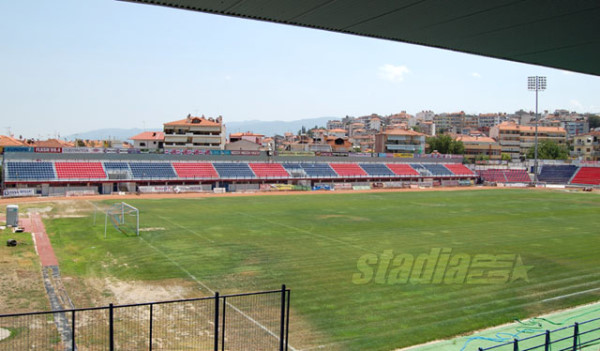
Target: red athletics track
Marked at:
34, 225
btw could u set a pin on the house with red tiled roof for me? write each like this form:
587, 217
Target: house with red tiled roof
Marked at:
149, 141
400, 141
249, 136
480, 146
195, 133
10, 141
52, 143
516, 139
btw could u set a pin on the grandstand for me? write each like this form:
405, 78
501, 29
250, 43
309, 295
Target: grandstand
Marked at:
505, 176
404, 170
103, 173
348, 169
376, 169
269, 170
79, 170
557, 174
195, 170
587, 176
232, 170
151, 170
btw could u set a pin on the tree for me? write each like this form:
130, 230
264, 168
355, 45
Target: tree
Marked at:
444, 144
506, 157
594, 121
548, 150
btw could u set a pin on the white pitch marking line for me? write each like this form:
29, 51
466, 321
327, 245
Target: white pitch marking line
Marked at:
187, 229
569, 295
213, 292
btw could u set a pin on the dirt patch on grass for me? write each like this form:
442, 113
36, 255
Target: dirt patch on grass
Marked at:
151, 229
88, 292
350, 218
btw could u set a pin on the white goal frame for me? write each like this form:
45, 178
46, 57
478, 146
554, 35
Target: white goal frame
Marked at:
118, 212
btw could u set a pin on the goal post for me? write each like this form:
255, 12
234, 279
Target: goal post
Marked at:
124, 217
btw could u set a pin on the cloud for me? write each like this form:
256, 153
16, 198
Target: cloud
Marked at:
393, 73
475, 75
228, 77
576, 104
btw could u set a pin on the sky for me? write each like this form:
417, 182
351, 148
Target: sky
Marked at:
71, 66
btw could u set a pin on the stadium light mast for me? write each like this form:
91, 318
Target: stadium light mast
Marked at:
536, 83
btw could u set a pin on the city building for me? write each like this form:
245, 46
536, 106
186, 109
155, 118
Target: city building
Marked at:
249, 136
586, 146
476, 146
427, 127
516, 140
195, 133
400, 141
149, 141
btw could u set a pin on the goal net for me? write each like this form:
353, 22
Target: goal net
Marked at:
124, 218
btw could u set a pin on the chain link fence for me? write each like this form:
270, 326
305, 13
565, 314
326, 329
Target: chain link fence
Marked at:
252, 321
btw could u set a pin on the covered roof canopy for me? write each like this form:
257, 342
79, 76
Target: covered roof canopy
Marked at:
562, 34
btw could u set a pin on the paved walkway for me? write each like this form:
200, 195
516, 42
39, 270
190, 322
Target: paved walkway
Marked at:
34, 225
59, 300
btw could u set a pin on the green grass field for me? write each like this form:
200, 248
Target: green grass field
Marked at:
313, 243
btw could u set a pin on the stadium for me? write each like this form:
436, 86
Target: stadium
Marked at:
265, 251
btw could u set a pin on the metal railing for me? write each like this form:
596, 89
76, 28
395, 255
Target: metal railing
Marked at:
579, 336
251, 321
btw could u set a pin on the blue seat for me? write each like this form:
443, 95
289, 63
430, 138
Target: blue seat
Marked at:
234, 170
557, 174
318, 170
437, 169
30, 171
376, 169
422, 170
152, 170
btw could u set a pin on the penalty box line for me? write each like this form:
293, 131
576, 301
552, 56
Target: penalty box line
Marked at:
193, 277
308, 232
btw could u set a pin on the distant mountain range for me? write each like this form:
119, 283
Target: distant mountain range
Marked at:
267, 128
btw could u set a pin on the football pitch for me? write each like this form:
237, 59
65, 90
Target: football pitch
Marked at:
360, 265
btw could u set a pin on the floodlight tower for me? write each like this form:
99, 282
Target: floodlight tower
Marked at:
536, 83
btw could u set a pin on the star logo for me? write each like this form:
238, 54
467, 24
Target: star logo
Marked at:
520, 270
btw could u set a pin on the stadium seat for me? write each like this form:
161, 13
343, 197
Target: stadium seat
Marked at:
80, 170
437, 169
152, 170
233, 170
348, 169
557, 174
587, 176
294, 169
197, 170
402, 169
459, 169
269, 170
421, 169
21, 171
318, 170
517, 176
376, 169
505, 175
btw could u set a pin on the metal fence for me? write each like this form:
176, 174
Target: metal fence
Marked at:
579, 336
252, 321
